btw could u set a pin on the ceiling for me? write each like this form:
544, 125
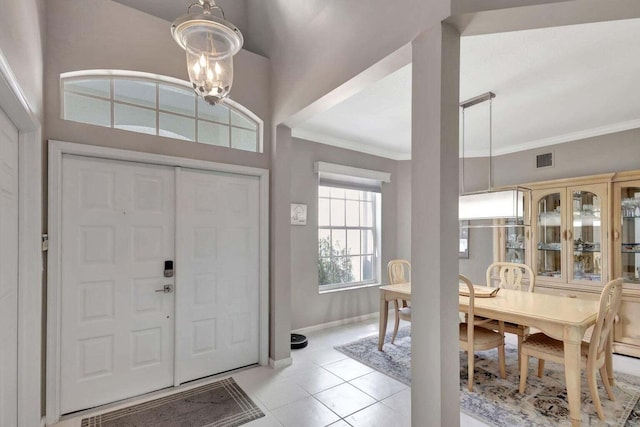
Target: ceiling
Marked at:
235, 10
552, 85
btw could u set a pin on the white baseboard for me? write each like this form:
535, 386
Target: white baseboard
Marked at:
340, 322
280, 363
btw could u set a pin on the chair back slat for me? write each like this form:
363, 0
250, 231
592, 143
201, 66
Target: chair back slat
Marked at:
610, 301
399, 271
511, 276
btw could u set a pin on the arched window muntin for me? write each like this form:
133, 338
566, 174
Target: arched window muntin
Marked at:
157, 105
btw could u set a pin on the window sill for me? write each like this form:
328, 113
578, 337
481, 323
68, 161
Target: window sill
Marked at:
349, 288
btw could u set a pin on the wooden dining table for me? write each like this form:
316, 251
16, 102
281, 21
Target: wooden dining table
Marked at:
560, 317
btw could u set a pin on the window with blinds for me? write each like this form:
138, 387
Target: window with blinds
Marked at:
349, 226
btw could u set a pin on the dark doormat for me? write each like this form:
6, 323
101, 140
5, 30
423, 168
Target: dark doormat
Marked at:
220, 404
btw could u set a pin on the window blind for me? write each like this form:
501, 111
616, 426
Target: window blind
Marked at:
348, 177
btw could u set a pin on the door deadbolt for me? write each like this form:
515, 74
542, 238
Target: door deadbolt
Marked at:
167, 289
168, 268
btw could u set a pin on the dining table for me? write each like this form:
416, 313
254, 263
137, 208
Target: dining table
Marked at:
560, 317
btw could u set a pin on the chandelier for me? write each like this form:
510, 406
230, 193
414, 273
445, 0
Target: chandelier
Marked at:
210, 42
492, 203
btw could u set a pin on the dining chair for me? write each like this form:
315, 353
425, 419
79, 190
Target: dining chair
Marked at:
399, 271
593, 354
475, 337
509, 275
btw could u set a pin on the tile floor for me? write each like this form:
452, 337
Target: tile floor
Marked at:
323, 387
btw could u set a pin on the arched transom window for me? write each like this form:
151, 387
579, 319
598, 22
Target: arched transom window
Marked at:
157, 105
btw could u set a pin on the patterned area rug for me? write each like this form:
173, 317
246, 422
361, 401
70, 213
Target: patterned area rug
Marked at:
220, 404
496, 401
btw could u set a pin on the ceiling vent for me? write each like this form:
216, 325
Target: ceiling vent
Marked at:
544, 160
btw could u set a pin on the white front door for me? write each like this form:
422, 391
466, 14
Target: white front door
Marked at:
116, 323
218, 272
8, 272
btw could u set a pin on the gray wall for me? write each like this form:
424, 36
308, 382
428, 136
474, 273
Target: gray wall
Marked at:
480, 254
22, 44
480, 240
607, 153
102, 34
403, 184
317, 47
308, 306
22, 28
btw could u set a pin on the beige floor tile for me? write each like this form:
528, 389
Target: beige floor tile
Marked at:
307, 412
345, 399
378, 385
378, 415
348, 369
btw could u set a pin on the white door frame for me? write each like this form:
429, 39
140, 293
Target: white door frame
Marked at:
15, 105
56, 150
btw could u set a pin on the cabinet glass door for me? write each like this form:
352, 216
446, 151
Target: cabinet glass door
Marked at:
514, 243
630, 234
585, 236
549, 235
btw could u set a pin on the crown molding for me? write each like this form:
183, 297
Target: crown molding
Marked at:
349, 145
560, 139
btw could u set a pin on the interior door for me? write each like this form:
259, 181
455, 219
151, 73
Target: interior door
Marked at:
218, 271
8, 272
117, 321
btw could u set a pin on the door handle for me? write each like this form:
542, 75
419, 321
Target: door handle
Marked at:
167, 289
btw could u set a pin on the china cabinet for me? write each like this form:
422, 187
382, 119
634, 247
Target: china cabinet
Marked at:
569, 236
583, 232
511, 241
626, 260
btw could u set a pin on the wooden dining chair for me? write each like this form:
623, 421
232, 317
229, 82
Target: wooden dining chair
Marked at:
475, 337
399, 271
594, 353
509, 275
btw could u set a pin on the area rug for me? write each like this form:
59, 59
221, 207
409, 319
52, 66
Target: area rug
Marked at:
219, 404
496, 401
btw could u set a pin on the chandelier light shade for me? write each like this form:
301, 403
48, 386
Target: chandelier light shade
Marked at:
210, 41
491, 205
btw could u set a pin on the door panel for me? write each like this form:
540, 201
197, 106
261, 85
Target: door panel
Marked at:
8, 272
587, 223
548, 252
218, 269
116, 329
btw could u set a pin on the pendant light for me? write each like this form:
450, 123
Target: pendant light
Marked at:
504, 203
210, 41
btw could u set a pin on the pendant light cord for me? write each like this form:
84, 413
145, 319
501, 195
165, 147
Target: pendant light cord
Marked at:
490, 185
470, 103
463, 128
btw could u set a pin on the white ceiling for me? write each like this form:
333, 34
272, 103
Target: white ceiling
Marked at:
552, 85
376, 120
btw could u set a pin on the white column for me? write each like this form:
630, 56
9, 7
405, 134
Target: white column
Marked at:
280, 249
434, 227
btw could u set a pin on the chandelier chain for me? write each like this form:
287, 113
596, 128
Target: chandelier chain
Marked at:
207, 6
